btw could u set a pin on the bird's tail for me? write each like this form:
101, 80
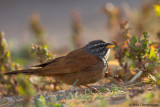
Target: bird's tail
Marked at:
25, 71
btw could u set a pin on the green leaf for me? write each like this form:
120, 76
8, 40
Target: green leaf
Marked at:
45, 46
157, 9
152, 52
42, 99
152, 77
8, 54
133, 40
149, 97
58, 105
146, 35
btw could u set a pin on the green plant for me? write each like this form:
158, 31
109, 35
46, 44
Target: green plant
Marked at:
5, 59
144, 56
15, 85
5, 66
42, 53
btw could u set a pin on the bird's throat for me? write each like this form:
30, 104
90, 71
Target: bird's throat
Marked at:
105, 60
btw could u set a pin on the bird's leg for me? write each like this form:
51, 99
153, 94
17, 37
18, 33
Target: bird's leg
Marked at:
56, 84
83, 90
94, 90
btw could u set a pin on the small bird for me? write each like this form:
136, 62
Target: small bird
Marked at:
83, 66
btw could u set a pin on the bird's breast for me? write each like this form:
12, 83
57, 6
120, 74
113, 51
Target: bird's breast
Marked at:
105, 60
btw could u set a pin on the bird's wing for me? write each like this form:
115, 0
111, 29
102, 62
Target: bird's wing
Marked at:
48, 62
75, 61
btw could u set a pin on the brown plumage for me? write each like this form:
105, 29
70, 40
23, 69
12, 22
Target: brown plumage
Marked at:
80, 65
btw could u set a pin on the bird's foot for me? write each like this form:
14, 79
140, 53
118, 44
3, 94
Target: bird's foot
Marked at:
94, 90
81, 89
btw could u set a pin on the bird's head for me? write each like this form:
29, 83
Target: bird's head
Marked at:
98, 48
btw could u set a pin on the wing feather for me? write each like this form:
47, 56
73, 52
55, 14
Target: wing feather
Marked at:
75, 61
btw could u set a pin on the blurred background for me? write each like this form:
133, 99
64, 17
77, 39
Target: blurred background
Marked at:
35, 31
56, 18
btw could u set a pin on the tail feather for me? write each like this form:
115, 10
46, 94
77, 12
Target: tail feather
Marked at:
26, 71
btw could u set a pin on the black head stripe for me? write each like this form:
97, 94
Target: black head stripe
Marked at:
97, 47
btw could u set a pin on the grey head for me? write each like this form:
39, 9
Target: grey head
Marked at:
98, 48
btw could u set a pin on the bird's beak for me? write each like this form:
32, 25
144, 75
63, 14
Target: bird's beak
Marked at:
110, 46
